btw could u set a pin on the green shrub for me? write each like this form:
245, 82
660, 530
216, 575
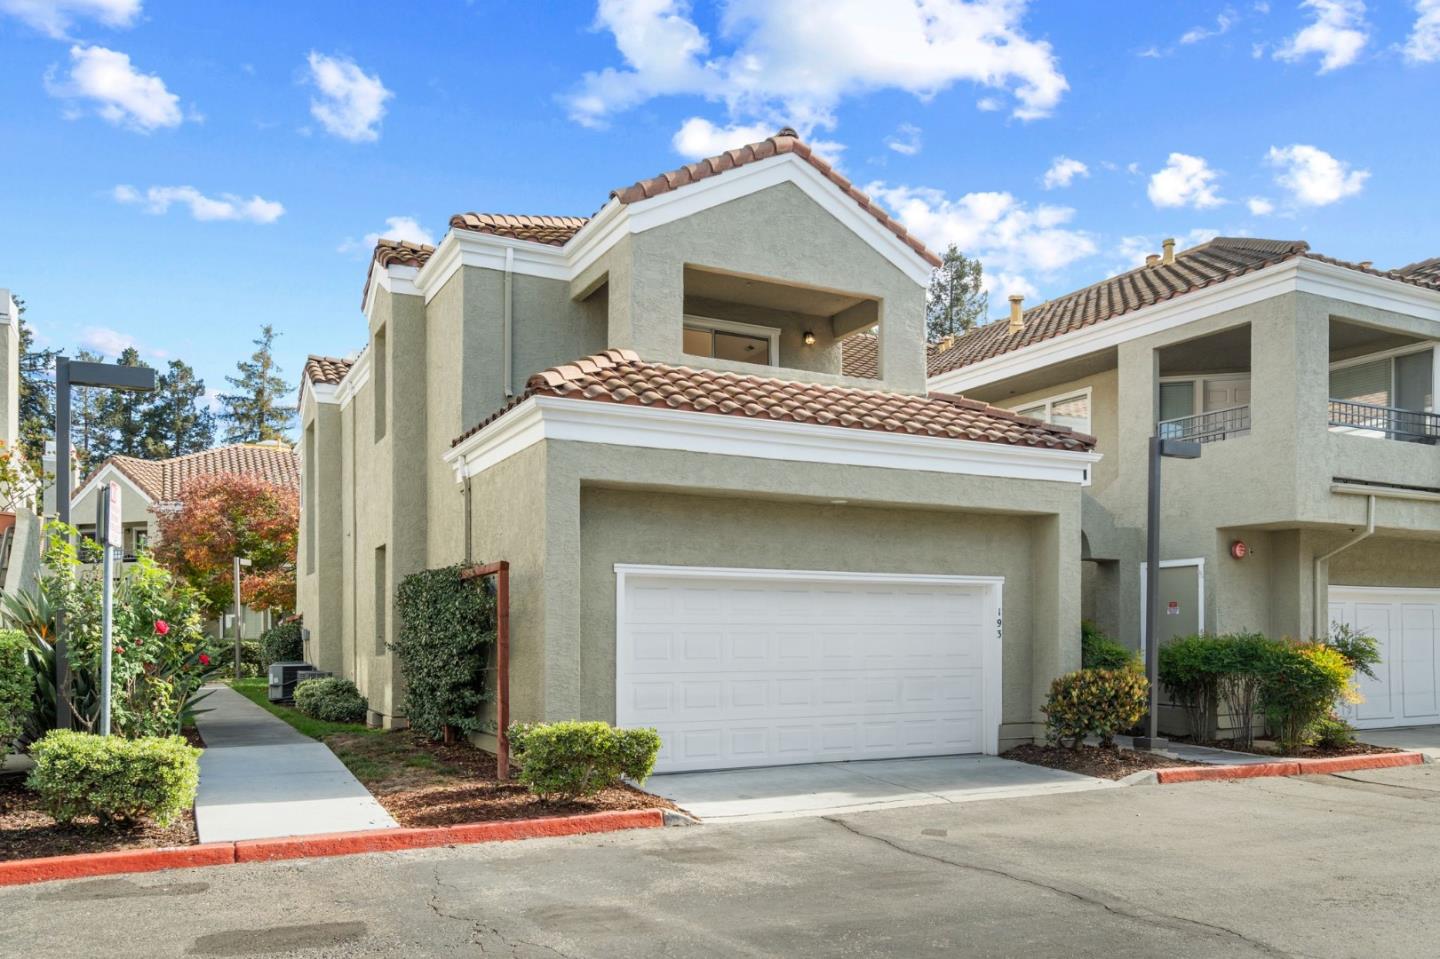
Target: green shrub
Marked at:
1360, 651
1098, 651
113, 779
331, 699
1190, 668
1302, 683
1332, 732
1095, 702
447, 626
282, 644
574, 759
17, 687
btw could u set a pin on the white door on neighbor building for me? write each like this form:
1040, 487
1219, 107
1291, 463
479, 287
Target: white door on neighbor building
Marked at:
1406, 622
741, 667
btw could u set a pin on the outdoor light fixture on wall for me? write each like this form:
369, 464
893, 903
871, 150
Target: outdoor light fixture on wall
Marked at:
809, 338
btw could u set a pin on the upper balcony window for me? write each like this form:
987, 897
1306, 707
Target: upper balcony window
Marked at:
1391, 396
1070, 409
730, 340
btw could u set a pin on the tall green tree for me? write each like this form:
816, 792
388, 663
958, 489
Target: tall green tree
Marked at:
177, 420
122, 417
255, 412
956, 301
87, 423
37, 391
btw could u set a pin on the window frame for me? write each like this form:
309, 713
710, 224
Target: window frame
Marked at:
1050, 401
714, 324
1390, 356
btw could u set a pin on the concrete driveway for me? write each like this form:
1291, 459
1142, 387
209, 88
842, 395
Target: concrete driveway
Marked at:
778, 792
1324, 867
1421, 739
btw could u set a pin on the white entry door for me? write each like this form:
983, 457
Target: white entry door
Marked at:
742, 667
1406, 622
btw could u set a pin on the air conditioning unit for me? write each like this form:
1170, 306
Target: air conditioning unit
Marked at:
283, 677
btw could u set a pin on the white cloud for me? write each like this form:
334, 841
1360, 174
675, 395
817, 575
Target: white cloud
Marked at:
1224, 20
405, 228
105, 341
1011, 239
55, 17
1338, 34
1259, 206
784, 61
351, 103
698, 137
120, 93
226, 206
1185, 181
1314, 177
906, 140
1063, 171
1423, 44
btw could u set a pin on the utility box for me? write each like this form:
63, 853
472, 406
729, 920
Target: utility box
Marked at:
283, 677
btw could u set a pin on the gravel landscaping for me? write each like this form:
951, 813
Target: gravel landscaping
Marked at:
1112, 763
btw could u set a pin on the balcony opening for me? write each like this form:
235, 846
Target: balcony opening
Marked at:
1205, 387
1382, 384
731, 318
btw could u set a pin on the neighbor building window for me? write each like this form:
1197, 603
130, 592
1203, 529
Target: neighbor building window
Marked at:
1068, 409
731, 340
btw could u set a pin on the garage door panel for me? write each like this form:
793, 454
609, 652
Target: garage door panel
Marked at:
1418, 663
715, 745
1406, 627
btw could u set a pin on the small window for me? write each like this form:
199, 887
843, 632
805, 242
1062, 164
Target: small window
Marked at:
730, 340
1069, 409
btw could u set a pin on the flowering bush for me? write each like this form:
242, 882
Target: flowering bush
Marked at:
1095, 702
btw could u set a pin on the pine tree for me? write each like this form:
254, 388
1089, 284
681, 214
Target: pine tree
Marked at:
956, 300
87, 426
177, 421
254, 413
121, 417
37, 392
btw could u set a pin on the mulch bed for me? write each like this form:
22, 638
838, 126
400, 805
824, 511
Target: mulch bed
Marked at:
1113, 763
28, 832
1267, 748
457, 785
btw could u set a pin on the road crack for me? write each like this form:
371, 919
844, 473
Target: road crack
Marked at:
480, 929
1115, 907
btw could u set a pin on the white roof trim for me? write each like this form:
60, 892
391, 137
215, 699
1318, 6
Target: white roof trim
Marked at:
321, 393
461, 247
106, 473
546, 417
357, 377
1298, 274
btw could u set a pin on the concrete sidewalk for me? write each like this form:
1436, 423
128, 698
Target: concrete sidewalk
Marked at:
1200, 755
261, 779
1420, 739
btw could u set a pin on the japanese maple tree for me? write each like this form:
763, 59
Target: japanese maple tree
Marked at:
227, 515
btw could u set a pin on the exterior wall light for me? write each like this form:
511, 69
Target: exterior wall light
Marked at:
809, 338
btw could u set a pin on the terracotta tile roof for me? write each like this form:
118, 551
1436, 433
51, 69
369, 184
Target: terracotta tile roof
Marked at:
162, 479
326, 369
402, 253
785, 141
553, 230
860, 356
1221, 259
619, 376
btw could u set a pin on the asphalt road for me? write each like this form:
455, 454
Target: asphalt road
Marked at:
1322, 866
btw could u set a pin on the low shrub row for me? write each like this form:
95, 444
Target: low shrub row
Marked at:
118, 781
572, 760
331, 699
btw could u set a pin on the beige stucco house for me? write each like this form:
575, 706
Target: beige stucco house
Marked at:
1311, 383
149, 487
712, 527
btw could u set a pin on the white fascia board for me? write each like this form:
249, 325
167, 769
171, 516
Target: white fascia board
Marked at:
1366, 289
313, 392
358, 376
615, 220
106, 474
1166, 315
587, 421
392, 279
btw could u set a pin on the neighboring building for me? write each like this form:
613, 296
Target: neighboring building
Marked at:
149, 487
1311, 382
20, 526
712, 529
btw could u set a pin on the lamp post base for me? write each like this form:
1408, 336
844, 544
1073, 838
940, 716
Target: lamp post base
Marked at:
1149, 742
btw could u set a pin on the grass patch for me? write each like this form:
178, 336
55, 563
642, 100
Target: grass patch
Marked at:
256, 690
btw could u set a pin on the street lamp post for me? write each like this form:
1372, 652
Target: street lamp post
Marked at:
1160, 448
70, 373
240, 562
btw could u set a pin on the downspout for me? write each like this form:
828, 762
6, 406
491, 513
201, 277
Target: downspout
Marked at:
507, 331
1322, 583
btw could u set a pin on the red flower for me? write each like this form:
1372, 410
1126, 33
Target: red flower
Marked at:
119, 650
204, 660
161, 627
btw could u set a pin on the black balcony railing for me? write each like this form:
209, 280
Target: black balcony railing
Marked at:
1208, 427
1389, 422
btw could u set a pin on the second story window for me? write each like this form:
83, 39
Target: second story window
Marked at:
1069, 409
731, 340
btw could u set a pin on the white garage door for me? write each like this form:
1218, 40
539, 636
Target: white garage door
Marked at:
740, 667
1406, 622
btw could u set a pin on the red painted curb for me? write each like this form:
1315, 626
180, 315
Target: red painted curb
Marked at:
1346, 764
20, 871
1193, 774
388, 840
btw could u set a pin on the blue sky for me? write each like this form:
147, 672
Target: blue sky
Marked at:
173, 174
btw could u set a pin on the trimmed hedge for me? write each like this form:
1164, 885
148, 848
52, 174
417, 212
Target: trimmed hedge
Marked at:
1095, 702
113, 779
1098, 651
17, 687
331, 699
576, 759
447, 626
282, 644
